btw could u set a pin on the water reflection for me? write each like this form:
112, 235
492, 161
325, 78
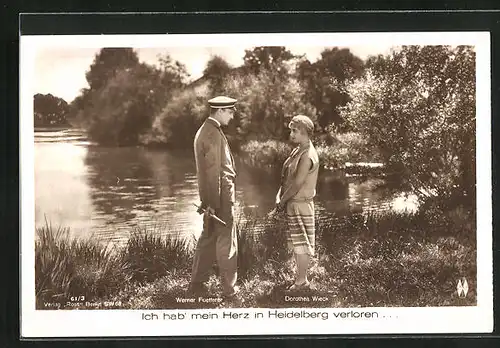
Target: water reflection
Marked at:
136, 187
119, 179
62, 195
255, 191
110, 191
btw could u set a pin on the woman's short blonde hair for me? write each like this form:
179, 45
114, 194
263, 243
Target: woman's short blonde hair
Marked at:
303, 122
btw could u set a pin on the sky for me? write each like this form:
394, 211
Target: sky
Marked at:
61, 71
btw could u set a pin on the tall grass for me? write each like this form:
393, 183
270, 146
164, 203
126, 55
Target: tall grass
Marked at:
66, 267
384, 259
70, 267
260, 240
54, 268
151, 256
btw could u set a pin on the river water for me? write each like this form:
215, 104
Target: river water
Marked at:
106, 193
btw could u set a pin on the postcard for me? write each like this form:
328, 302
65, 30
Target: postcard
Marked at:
255, 184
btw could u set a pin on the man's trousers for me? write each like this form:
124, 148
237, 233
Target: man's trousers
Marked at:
217, 243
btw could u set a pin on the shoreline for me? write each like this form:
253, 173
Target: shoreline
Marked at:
52, 128
347, 169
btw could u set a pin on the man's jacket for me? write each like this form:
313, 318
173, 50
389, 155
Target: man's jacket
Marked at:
215, 167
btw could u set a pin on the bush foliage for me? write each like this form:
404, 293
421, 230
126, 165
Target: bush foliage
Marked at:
417, 106
266, 103
176, 124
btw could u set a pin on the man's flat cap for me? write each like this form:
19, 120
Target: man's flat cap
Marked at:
222, 102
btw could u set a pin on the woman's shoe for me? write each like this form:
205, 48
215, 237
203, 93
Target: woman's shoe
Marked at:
304, 286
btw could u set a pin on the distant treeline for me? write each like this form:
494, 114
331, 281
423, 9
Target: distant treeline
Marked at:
130, 102
50, 110
414, 107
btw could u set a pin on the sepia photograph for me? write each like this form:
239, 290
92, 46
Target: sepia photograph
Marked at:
298, 175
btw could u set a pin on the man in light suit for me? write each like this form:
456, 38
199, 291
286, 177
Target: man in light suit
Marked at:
216, 175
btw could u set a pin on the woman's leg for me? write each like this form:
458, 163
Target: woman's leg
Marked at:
302, 262
301, 237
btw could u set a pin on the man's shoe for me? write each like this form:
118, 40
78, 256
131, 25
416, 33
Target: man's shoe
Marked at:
234, 299
198, 289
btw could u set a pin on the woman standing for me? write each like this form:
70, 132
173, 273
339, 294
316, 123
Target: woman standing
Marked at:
295, 196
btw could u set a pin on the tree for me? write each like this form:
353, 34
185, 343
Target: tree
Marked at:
49, 110
216, 71
176, 124
173, 73
124, 95
107, 63
417, 106
267, 58
76, 113
126, 106
325, 83
266, 103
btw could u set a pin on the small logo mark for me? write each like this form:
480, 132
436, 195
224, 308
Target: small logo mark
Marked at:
462, 287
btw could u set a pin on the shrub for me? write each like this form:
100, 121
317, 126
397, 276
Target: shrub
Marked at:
417, 106
266, 103
266, 153
178, 122
271, 154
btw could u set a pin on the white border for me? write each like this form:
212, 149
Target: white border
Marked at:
112, 323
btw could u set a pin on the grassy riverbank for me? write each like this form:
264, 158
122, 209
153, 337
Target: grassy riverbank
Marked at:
376, 260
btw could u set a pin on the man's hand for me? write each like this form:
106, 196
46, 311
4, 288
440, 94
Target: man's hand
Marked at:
202, 209
209, 211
